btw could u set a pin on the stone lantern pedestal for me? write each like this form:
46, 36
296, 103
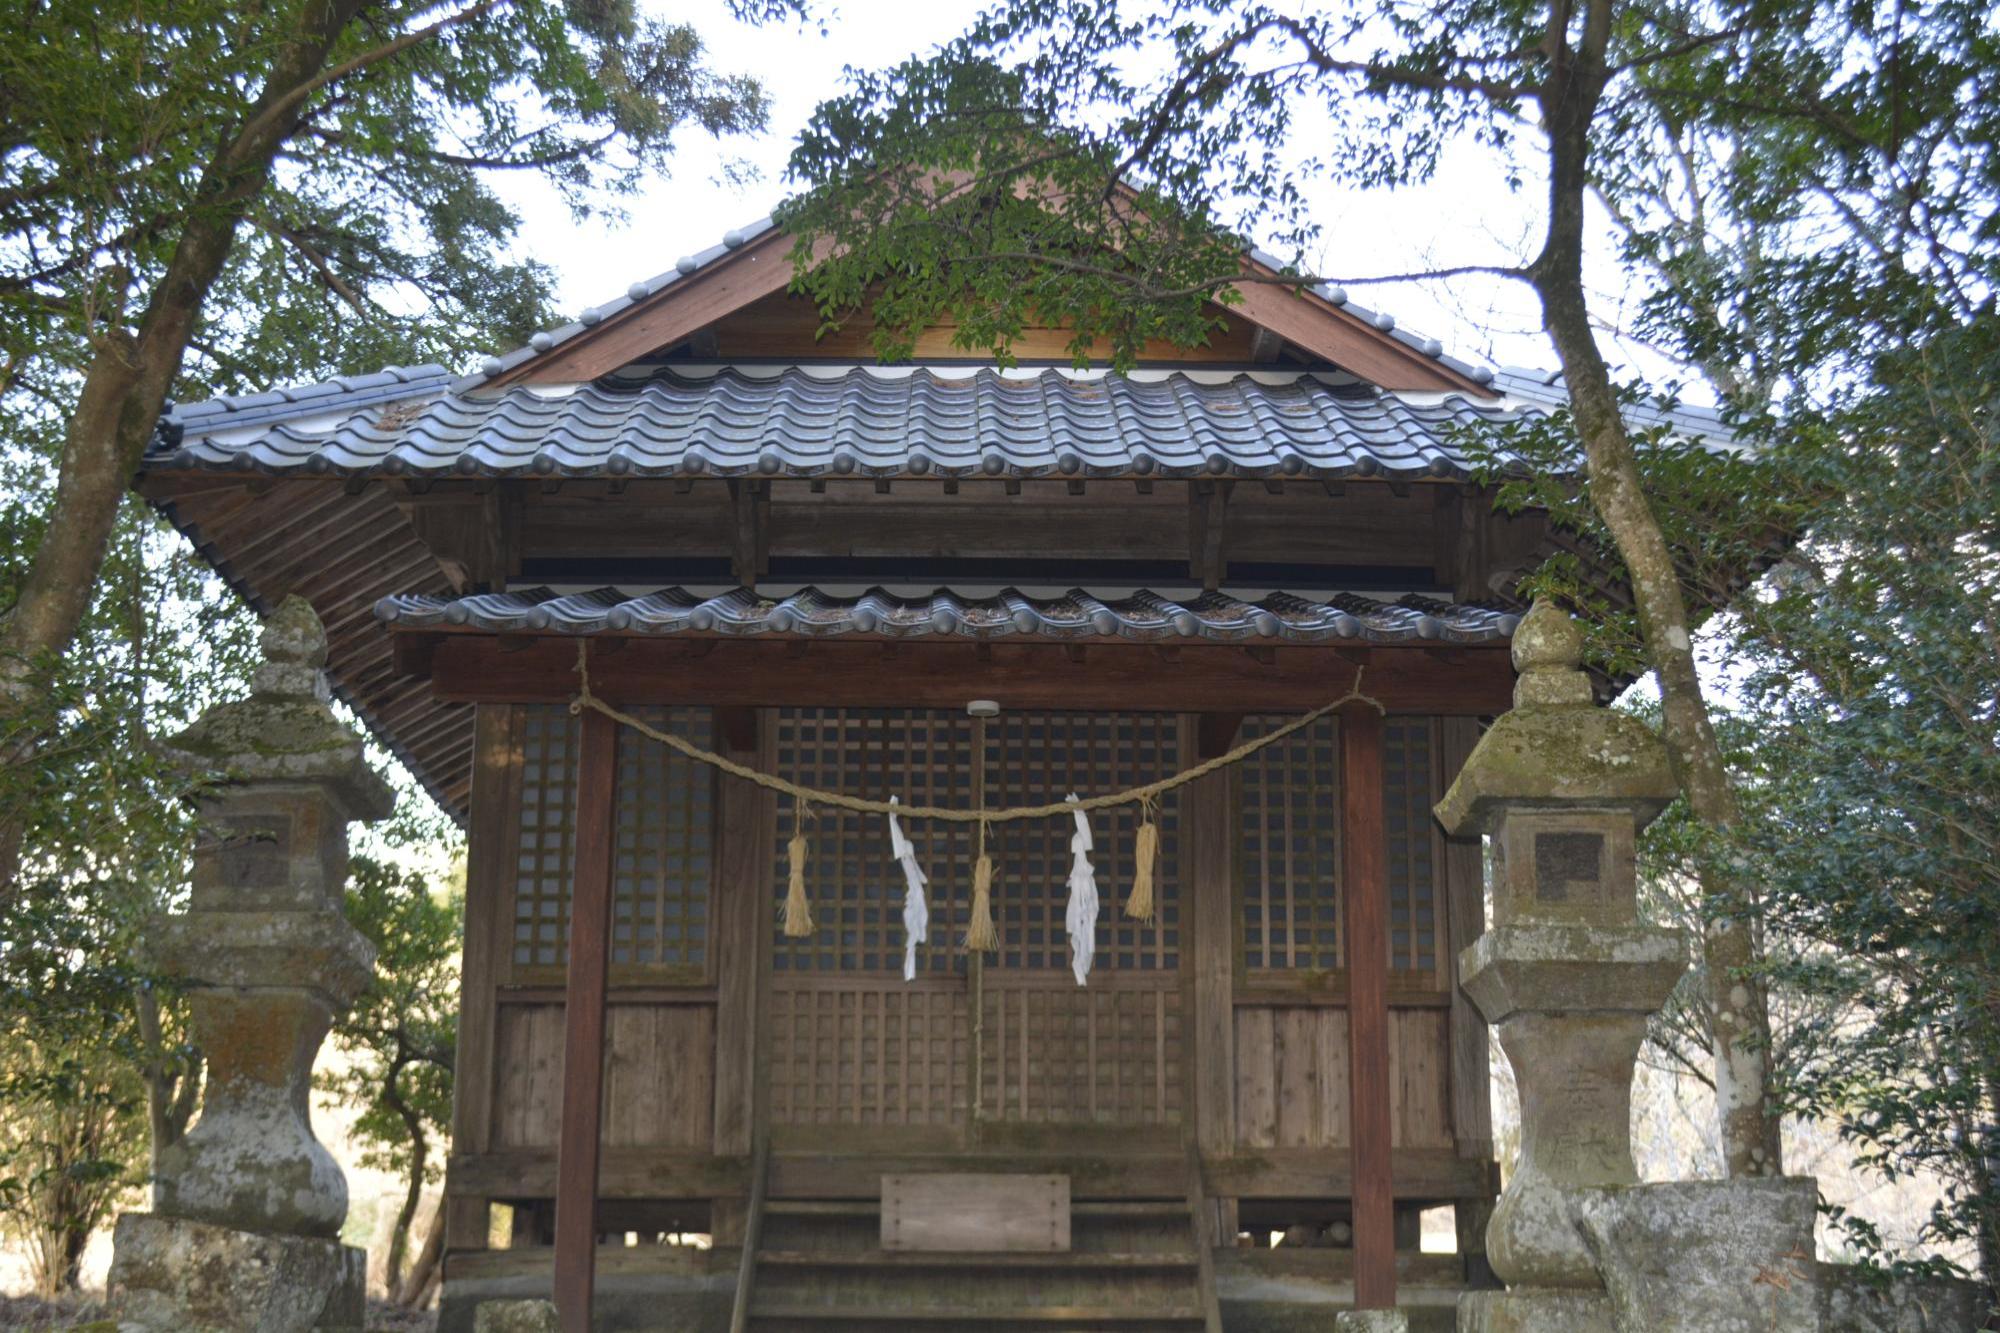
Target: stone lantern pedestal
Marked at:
248, 1207
1570, 977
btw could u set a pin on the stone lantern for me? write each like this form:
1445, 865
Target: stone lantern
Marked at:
1569, 977
245, 1232
1567, 973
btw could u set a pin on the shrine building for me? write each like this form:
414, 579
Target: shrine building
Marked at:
968, 587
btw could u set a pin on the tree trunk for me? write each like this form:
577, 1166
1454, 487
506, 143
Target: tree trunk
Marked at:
429, 1266
124, 388
1986, 1169
406, 1216
1737, 997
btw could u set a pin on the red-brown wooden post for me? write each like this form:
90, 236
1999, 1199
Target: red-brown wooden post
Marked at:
583, 1025
1364, 872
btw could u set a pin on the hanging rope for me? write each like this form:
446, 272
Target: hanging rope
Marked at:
1145, 852
798, 912
980, 937
818, 796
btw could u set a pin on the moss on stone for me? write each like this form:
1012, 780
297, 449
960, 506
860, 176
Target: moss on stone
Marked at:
1568, 755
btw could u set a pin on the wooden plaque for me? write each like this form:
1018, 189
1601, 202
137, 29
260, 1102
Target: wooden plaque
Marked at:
973, 1213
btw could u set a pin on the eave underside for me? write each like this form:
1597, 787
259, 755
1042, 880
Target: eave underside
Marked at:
345, 545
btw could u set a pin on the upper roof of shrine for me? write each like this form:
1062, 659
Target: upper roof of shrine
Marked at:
413, 490
811, 421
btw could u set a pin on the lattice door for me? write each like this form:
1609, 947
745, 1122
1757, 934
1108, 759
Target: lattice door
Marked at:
854, 1044
1051, 1051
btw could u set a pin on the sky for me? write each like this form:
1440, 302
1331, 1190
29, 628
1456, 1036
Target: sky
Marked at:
1467, 216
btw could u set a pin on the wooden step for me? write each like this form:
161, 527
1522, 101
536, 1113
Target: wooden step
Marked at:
1084, 1315
1139, 1208
822, 1208
977, 1262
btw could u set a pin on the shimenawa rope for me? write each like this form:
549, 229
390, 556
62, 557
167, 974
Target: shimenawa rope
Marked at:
1144, 795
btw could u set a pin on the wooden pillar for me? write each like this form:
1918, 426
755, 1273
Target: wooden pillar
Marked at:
1364, 873
745, 830
1208, 814
489, 918
583, 1024
1464, 864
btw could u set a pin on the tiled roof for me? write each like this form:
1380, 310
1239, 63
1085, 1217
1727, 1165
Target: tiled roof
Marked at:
1141, 616
796, 421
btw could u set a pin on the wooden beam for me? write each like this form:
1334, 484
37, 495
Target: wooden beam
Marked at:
1115, 675
1365, 880
750, 533
583, 1024
1427, 1175
1265, 345
736, 728
1310, 321
678, 310
466, 532
1208, 516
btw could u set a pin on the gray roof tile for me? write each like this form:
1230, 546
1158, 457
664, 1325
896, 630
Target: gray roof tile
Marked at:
1142, 616
798, 423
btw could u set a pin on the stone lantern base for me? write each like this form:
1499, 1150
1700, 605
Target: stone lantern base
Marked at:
1723, 1256
170, 1273
1528, 1310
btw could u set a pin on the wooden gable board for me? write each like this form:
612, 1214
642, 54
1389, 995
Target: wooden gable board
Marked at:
763, 267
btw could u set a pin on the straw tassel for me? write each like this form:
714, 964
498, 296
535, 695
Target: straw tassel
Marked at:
1145, 852
980, 937
798, 912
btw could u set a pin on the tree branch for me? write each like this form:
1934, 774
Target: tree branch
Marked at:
291, 100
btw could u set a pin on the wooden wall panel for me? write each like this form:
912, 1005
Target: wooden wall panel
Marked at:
527, 1100
1419, 1113
1256, 1078
659, 1076
1292, 1077
660, 1072
783, 325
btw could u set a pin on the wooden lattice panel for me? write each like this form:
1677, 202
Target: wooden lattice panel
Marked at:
547, 829
1107, 1053
663, 867
868, 1053
663, 840
1407, 762
1289, 859
1033, 758
855, 887
1289, 855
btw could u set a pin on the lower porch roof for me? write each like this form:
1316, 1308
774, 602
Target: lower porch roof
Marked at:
741, 649
1142, 616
